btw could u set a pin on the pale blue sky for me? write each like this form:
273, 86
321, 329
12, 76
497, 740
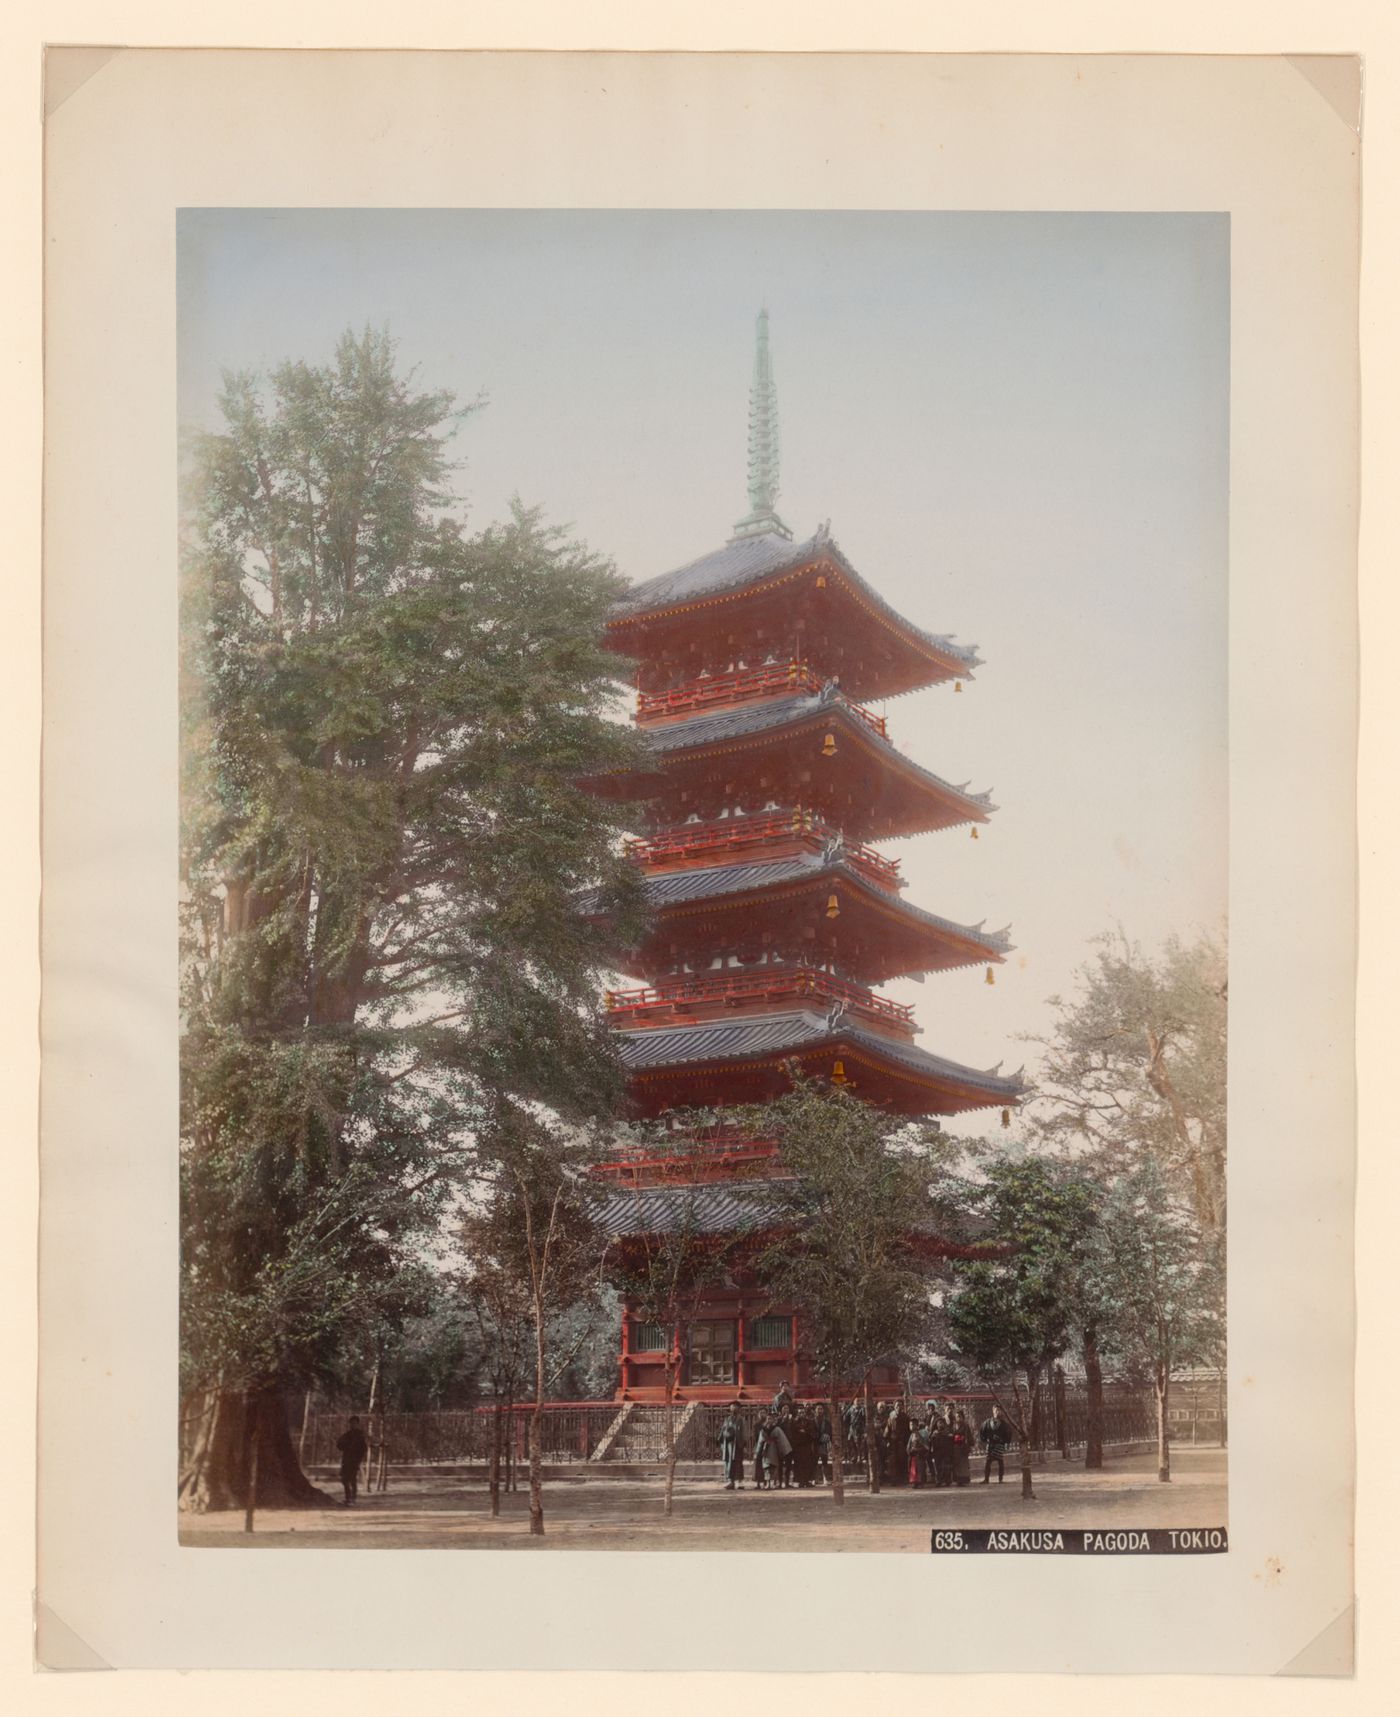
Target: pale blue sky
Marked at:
1017, 425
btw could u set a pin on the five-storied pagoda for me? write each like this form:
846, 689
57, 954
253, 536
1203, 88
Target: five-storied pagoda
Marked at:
772, 912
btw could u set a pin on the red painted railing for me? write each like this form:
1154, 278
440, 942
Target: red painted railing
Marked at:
773, 983
684, 1159
737, 834
720, 691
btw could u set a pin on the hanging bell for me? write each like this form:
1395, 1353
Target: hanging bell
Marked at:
838, 1073
1006, 1117
975, 835
821, 581
833, 908
991, 976
957, 685
829, 745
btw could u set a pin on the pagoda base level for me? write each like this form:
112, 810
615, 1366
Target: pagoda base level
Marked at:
735, 1345
884, 1384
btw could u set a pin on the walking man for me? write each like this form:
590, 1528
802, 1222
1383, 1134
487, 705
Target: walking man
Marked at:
353, 1449
996, 1434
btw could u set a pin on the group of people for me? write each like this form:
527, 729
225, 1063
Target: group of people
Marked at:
794, 1444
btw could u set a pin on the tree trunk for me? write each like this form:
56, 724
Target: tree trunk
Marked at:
1061, 1413
1027, 1420
872, 1453
252, 1506
537, 1433
838, 1449
1093, 1379
670, 1431
494, 1482
217, 1474
1162, 1384
305, 1421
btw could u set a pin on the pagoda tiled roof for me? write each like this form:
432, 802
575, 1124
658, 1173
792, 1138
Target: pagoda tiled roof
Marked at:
711, 1208
775, 1034
750, 560
674, 888
746, 719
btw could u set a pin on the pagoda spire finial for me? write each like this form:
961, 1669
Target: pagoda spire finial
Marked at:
762, 519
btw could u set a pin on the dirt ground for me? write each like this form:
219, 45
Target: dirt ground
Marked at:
448, 1513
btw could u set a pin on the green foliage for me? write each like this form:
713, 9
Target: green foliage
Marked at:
1135, 1069
536, 1251
384, 724
1013, 1311
867, 1194
1154, 1280
422, 1353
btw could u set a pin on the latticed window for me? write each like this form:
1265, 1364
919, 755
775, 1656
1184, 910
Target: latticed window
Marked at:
711, 1352
770, 1332
649, 1338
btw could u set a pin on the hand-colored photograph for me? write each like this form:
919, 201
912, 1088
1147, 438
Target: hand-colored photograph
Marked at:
703, 880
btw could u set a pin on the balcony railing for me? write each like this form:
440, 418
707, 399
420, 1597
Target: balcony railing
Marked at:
685, 1159
739, 834
744, 685
660, 1005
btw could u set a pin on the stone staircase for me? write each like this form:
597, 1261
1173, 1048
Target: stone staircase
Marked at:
638, 1435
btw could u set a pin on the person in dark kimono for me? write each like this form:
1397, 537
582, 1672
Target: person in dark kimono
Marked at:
962, 1449
353, 1449
941, 1443
782, 1442
804, 1449
731, 1448
897, 1461
995, 1436
822, 1430
877, 1436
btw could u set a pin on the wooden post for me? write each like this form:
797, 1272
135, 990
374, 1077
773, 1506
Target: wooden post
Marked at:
301, 1445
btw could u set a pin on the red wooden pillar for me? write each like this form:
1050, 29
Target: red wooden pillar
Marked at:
626, 1355
739, 1347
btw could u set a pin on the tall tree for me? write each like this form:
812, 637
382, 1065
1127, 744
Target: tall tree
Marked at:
1135, 1068
385, 721
665, 1276
1159, 1287
537, 1232
1012, 1314
500, 1305
852, 1227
